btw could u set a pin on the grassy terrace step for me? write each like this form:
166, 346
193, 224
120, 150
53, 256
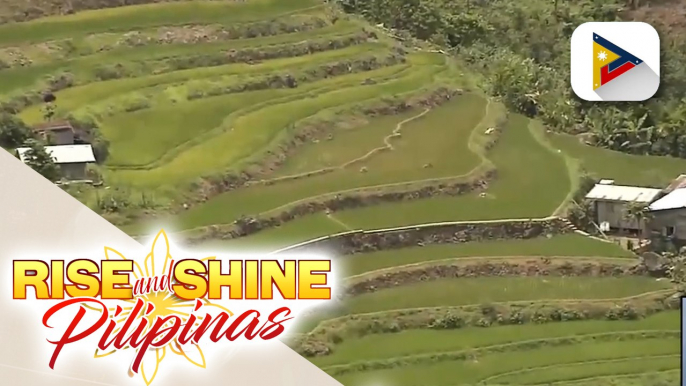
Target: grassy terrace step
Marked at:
419, 145
516, 193
491, 266
449, 373
523, 347
235, 108
623, 168
248, 134
563, 245
350, 144
28, 54
465, 291
145, 16
171, 105
414, 342
455, 292
97, 97
651, 378
582, 370
84, 68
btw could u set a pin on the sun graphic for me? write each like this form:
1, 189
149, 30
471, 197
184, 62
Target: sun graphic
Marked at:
157, 263
602, 56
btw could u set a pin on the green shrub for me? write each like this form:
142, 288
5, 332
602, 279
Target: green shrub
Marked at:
13, 131
449, 322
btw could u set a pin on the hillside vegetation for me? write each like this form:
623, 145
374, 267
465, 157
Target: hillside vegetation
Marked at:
522, 48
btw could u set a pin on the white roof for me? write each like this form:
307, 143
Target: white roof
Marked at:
65, 154
674, 200
622, 193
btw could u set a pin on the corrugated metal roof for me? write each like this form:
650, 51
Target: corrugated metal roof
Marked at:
674, 200
66, 154
622, 193
678, 183
51, 126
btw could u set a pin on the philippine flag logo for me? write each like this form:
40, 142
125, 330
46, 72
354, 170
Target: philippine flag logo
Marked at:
618, 61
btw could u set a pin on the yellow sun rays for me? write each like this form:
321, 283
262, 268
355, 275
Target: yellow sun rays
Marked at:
165, 302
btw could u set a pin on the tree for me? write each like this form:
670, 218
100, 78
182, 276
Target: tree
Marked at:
13, 131
582, 215
39, 160
639, 212
49, 111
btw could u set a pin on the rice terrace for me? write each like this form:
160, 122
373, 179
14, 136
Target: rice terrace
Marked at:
434, 146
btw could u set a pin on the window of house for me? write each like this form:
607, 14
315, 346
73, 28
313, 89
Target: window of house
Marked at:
669, 231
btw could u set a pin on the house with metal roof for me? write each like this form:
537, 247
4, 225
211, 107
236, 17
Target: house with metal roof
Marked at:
71, 159
611, 202
56, 132
666, 208
668, 213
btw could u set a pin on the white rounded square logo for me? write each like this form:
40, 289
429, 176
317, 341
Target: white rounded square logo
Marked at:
615, 61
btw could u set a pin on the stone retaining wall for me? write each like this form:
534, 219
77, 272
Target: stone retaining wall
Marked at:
531, 267
439, 233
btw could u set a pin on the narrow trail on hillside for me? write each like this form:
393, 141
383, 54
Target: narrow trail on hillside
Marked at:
338, 221
387, 146
393, 184
387, 140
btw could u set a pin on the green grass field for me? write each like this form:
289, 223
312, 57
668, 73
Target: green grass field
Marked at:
92, 96
515, 194
485, 290
181, 115
623, 168
611, 354
422, 143
414, 342
145, 16
653, 378
255, 130
565, 245
583, 370
447, 292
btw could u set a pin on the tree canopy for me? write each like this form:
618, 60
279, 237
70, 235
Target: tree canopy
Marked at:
521, 49
13, 131
41, 161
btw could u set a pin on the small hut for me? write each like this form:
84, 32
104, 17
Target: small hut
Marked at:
57, 132
71, 159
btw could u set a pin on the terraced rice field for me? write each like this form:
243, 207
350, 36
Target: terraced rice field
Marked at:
313, 123
369, 345
602, 163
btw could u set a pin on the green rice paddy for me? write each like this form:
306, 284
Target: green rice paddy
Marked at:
564, 245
